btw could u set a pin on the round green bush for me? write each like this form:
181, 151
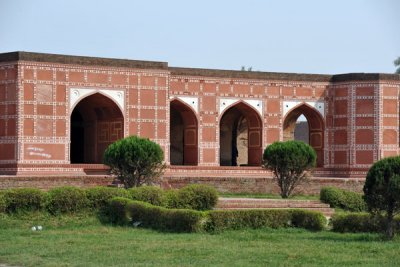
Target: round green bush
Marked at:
332, 196
197, 197
382, 191
98, 197
24, 199
135, 161
290, 162
150, 194
66, 199
339, 198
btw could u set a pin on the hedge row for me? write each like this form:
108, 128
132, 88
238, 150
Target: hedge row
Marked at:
72, 199
221, 220
360, 222
127, 212
346, 200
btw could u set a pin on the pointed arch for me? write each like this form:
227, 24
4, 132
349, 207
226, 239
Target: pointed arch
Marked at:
183, 134
316, 128
230, 122
96, 122
84, 93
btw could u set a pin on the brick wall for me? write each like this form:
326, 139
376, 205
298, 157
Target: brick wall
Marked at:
9, 106
353, 118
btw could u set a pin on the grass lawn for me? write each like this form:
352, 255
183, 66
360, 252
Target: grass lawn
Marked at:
83, 241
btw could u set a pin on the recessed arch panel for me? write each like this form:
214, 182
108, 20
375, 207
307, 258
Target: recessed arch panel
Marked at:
96, 122
315, 127
183, 134
240, 133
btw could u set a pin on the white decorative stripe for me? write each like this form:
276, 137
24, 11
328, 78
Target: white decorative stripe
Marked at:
77, 94
317, 105
190, 101
224, 103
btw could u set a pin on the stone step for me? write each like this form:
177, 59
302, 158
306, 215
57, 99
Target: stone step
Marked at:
258, 203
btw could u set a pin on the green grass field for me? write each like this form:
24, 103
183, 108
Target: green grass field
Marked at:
83, 241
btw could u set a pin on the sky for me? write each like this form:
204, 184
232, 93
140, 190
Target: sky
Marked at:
308, 36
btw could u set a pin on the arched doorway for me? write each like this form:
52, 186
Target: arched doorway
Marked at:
240, 136
313, 130
183, 134
96, 122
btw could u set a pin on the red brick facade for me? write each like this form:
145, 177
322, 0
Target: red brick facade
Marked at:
353, 118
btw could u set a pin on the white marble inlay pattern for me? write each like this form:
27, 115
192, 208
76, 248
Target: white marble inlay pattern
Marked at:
190, 101
224, 103
317, 105
77, 94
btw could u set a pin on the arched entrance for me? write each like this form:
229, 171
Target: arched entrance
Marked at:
314, 128
96, 122
240, 136
183, 134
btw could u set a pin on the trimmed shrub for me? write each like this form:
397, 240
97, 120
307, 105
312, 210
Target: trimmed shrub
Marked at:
197, 197
2, 202
116, 211
99, 197
24, 199
220, 220
171, 199
339, 198
360, 222
66, 199
309, 220
150, 194
332, 196
163, 219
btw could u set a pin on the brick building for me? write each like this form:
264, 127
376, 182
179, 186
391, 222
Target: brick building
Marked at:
58, 113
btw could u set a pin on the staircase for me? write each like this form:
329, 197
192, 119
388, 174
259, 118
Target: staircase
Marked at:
258, 203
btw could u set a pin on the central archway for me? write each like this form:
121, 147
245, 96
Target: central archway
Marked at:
240, 136
96, 122
183, 134
315, 129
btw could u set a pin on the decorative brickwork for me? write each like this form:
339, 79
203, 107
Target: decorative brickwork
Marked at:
353, 118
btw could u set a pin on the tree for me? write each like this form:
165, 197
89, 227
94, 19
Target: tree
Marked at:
290, 163
397, 64
243, 68
135, 161
382, 191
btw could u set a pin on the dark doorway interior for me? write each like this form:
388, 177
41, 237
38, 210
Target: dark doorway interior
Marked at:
183, 134
96, 122
240, 137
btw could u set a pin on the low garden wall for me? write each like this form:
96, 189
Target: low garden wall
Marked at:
264, 185
222, 184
